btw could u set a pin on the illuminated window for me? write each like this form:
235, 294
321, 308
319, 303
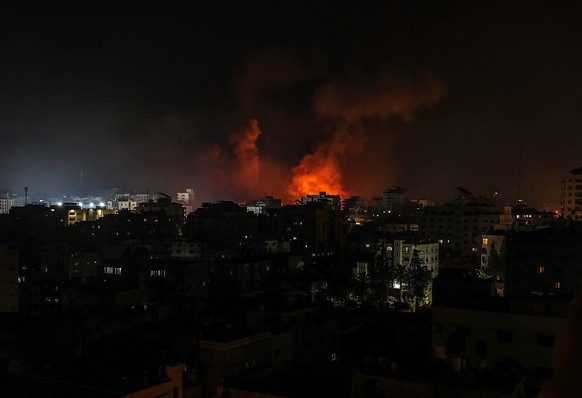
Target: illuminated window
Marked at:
112, 270
485, 241
541, 269
557, 285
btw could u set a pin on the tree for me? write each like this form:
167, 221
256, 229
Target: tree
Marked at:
379, 277
418, 278
495, 265
359, 286
399, 274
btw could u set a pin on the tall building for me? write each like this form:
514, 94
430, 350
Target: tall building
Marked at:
571, 195
262, 205
333, 200
545, 261
6, 202
460, 223
355, 205
187, 199
313, 229
393, 199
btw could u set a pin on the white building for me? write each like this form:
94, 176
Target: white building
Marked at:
126, 201
187, 199
189, 196
6, 203
428, 253
122, 204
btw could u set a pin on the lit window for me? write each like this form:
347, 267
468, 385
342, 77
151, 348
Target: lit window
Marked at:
557, 285
541, 269
485, 241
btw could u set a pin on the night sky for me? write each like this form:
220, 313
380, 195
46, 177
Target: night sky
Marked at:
246, 100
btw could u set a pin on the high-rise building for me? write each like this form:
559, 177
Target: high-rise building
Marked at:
188, 196
393, 199
460, 223
571, 195
6, 202
355, 205
333, 200
187, 199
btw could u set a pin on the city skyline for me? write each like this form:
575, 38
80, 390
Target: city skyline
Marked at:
255, 99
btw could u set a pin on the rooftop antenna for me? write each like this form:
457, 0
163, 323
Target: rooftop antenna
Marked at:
25, 195
519, 173
81, 183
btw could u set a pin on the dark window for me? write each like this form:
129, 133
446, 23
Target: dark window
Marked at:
481, 348
546, 341
544, 372
464, 331
505, 335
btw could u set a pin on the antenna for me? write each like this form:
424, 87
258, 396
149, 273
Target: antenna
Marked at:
81, 183
519, 173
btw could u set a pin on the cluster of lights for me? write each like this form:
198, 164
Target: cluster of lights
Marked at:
80, 204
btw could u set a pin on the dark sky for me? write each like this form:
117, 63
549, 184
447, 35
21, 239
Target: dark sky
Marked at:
421, 94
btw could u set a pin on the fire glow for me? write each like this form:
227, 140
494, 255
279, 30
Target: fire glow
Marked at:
317, 172
351, 114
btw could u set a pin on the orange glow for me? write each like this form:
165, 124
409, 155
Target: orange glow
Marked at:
247, 155
319, 172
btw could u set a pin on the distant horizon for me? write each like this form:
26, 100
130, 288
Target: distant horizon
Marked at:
36, 196
287, 98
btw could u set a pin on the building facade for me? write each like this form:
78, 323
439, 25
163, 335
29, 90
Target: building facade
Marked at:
428, 253
571, 195
460, 223
6, 203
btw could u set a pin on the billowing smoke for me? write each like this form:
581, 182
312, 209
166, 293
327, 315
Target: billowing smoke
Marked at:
384, 95
248, 164
350, 107
351, 133
272, 69
231, 171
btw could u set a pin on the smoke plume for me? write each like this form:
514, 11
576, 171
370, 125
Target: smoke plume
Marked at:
270, 69
248, 163
350, 107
